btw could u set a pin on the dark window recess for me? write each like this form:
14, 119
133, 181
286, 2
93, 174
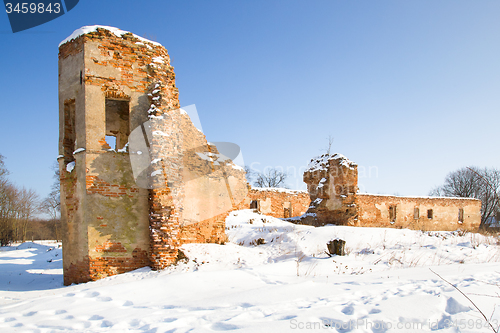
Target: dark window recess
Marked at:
430, 214
392, 214
416, 213
69, 135
460, 215
286, 213
117, 123
254, 204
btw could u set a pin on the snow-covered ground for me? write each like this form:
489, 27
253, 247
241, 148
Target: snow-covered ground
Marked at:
272, 276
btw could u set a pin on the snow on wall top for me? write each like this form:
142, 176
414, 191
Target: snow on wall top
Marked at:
414, 196
323, 162
277, 189
90, 28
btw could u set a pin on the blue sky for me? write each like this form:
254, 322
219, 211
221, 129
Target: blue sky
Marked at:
410, 90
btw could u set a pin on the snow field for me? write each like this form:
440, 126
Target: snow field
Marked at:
285, 283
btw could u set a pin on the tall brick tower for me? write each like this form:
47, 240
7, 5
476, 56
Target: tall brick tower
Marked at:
114, 87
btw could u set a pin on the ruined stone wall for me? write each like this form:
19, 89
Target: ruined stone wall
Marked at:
278, 202
118, 218
332, 183
105, 213
418, 213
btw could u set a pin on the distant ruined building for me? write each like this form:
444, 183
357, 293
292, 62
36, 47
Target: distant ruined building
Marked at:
332, 183
138, 179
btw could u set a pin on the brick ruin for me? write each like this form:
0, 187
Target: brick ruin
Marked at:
332, 183
278, 202
138, 179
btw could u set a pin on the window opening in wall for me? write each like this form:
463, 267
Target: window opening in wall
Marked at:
287, 209
254, 204
416, 213
111, 141
69, 141
429, 213
117, 123
460, 215
392, 214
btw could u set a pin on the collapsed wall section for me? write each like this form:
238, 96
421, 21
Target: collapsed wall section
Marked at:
332, 183
279, 202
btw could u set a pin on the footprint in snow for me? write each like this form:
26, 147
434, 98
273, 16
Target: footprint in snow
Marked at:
348, 310
29, 314
443, 323
289, 317
169, 320
134, 322
92, 294
220, 326
340, 326
454, 307
128, 303
246, 305
379, 326
105, 299
96, 317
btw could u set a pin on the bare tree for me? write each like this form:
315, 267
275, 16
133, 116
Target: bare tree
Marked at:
3, 170
56, 186
328, 148
51, 206
271, 177
7, 206
473, 182
27, 206
17, 209
8, 196
250, 174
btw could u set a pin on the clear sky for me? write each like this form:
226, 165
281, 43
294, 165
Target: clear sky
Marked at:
410, 90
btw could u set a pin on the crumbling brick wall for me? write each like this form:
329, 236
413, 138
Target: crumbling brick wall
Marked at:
116, 84
332, 184
420, 213
279, 202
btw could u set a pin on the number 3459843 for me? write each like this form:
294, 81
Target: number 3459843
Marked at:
25, 7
